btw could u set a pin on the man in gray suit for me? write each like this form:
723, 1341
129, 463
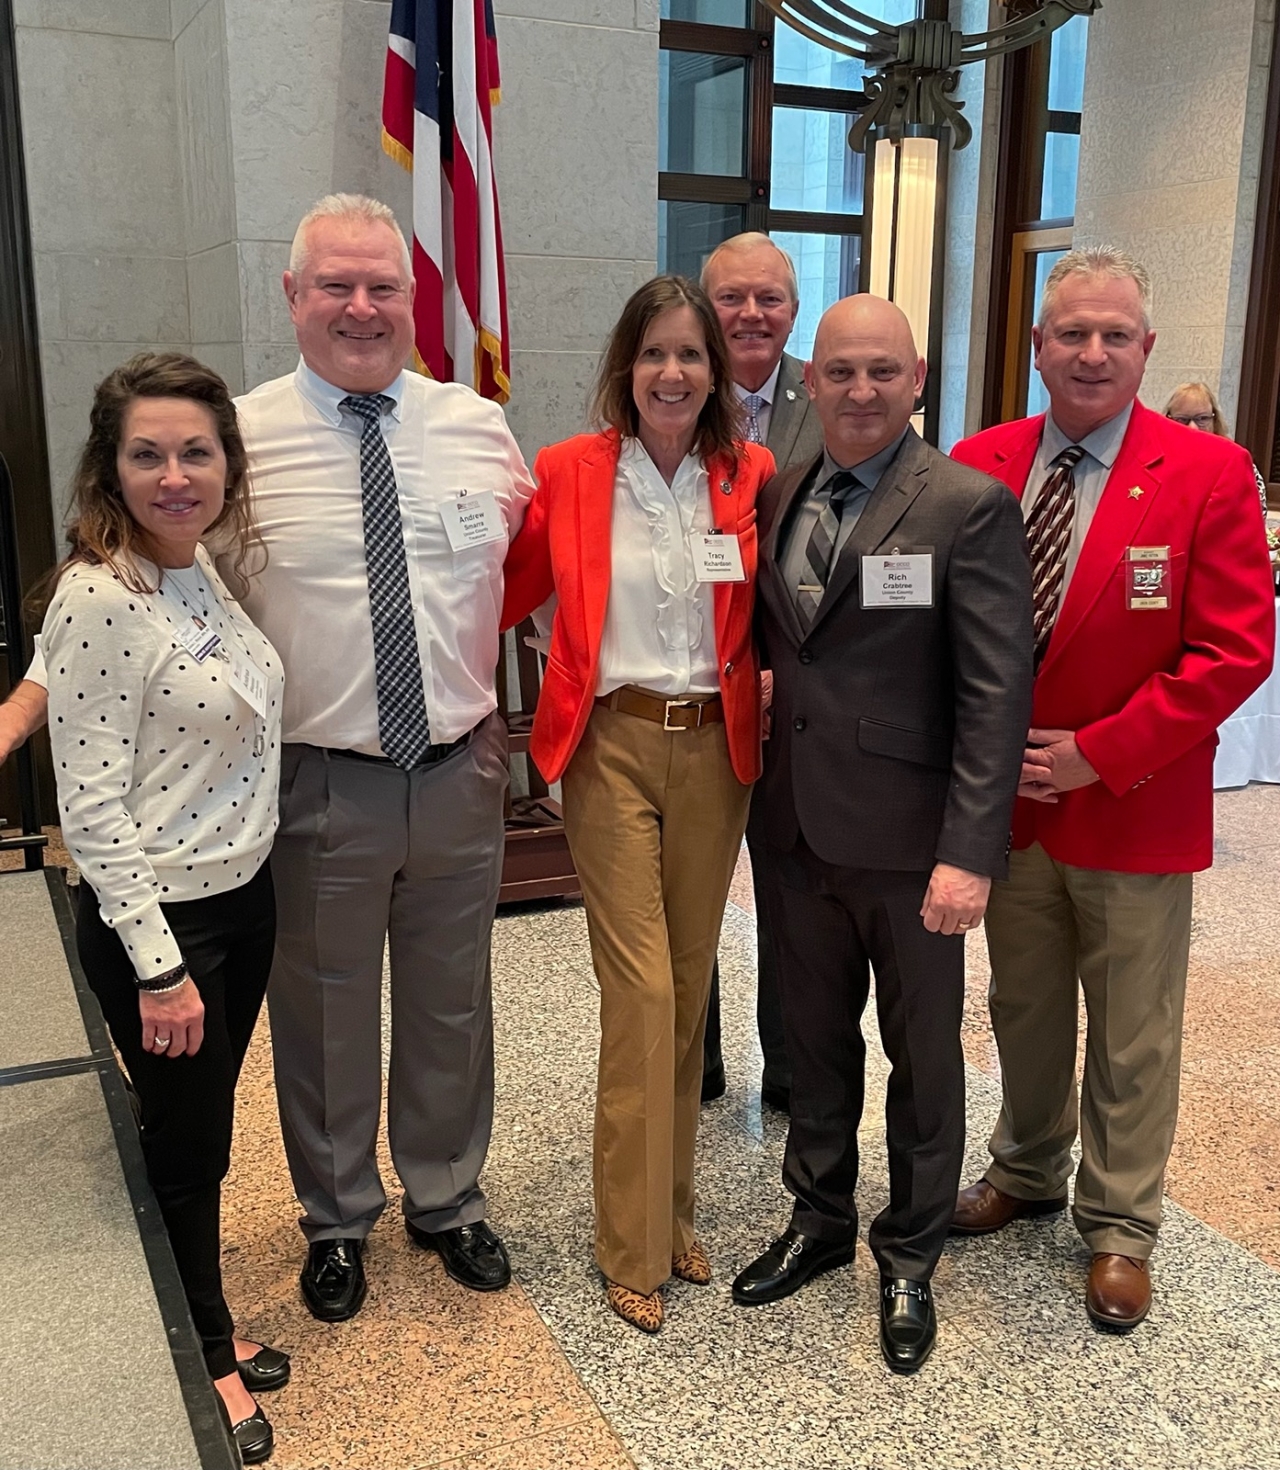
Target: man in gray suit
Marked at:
895, 612
752, 285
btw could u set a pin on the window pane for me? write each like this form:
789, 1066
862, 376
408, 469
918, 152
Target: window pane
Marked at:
1066, 65
688, 233
1061, 167
804, 63
813, 165
1037, 398
827, 269
702, 119
707, 12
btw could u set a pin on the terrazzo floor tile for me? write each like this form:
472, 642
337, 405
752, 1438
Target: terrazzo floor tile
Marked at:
590, 1446
1019, 1378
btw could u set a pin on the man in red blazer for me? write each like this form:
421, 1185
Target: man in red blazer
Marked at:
1154, 620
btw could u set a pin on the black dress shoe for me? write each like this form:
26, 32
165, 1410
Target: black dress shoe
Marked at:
332, 1281
908, 1326
775, 1097
472, 1254
713, 1084
254, 1438
789, 1262
266, 1371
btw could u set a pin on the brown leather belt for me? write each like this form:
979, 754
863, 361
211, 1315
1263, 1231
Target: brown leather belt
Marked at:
672, 714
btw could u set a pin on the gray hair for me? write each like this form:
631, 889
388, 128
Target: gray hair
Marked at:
356, 207
1098, 260
749, 241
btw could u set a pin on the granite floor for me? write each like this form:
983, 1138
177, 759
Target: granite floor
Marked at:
543, 1375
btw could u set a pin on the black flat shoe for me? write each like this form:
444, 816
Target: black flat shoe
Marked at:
789, 1262
266, 1371
775, 1097
254, 1438
332, 1281
472, 1254
908, 1326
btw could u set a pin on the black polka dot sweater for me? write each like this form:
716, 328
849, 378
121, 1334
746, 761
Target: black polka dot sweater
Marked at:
166, 776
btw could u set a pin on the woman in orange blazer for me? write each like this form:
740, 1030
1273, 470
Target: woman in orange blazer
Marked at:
650, 716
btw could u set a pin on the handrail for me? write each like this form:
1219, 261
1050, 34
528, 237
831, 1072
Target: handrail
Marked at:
32, 841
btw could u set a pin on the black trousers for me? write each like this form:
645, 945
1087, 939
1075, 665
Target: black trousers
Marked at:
777, 1069
835, 924
188, 1102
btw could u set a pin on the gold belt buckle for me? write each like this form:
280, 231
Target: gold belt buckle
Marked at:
681, 704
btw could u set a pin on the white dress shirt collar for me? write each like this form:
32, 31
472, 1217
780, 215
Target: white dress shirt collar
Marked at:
767, 390
326, 399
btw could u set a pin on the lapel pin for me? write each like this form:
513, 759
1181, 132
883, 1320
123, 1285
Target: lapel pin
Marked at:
726, 488
1136, 493
791, 395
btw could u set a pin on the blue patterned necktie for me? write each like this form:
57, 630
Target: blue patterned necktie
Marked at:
753, 403
402, 711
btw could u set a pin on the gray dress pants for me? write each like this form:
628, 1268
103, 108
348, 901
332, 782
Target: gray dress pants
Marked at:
367, 852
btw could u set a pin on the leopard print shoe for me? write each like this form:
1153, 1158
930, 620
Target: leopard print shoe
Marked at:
693, 1266
644, 1312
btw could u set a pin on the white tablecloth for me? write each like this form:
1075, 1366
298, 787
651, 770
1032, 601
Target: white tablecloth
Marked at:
1249, 743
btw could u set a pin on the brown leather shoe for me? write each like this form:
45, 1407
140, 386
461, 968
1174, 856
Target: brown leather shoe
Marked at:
982, 1209
1119, 1294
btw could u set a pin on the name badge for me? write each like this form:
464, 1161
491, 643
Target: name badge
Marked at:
198, 638
898, 580
717, 558
250, 683
473, 519
1147, 578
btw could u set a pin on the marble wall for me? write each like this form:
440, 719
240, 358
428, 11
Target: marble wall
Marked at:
1169, 156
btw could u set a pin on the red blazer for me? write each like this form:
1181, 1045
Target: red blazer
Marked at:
1144, 690
565, 546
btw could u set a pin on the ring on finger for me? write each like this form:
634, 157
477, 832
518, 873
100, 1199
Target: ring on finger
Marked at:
161, 1042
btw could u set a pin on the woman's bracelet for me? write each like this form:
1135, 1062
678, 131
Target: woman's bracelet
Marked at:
163, 984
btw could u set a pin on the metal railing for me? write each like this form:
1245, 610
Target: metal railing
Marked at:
32, 840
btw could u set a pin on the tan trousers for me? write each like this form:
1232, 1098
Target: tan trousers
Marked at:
1126, 937
655, 821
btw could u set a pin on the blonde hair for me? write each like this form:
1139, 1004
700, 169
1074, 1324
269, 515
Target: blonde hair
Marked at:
356, 207
1202, 390
751, 240
1098, 260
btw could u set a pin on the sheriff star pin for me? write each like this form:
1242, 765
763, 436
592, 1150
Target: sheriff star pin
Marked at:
1136, 493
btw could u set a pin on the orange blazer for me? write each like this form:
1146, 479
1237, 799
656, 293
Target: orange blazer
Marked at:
565, 546
1146, 689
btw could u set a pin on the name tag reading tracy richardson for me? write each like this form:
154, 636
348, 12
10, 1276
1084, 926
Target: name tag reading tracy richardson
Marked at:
473, 519
898, 580
717, 558
1147, 578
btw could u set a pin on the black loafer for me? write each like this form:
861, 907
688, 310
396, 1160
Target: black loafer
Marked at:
775, 1097
472, 1254
789, 1262
332, 1281
266, 1371
254, 1438
908, 1326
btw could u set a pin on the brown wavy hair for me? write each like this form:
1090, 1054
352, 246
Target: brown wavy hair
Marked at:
101, 531
613, 405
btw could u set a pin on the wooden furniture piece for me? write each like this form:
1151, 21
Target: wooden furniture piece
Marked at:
537, 862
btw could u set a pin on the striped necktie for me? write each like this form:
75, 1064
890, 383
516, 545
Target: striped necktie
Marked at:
753, 403
1048, 536
819, 554
402, 710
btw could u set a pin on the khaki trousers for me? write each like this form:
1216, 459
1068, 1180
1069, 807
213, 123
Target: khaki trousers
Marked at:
1124, 938
654, 819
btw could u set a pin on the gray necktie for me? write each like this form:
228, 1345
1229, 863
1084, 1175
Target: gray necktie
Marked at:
402, 711
819, 554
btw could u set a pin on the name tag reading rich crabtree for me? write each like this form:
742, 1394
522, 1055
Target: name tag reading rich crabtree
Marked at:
898, 580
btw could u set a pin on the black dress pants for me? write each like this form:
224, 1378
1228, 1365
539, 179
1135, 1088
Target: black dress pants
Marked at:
188, 1101
835, 924
777, 1069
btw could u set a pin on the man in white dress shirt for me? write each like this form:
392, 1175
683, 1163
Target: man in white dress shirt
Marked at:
752, 285
386, 501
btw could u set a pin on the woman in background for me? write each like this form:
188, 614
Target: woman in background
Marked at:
1195, 405
650, 714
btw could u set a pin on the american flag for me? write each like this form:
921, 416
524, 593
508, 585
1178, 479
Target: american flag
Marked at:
441, 82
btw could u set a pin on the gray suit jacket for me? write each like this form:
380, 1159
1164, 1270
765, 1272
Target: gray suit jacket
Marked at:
795, 435
898, 732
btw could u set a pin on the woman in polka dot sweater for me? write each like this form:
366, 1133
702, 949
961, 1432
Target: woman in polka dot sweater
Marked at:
164, 717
